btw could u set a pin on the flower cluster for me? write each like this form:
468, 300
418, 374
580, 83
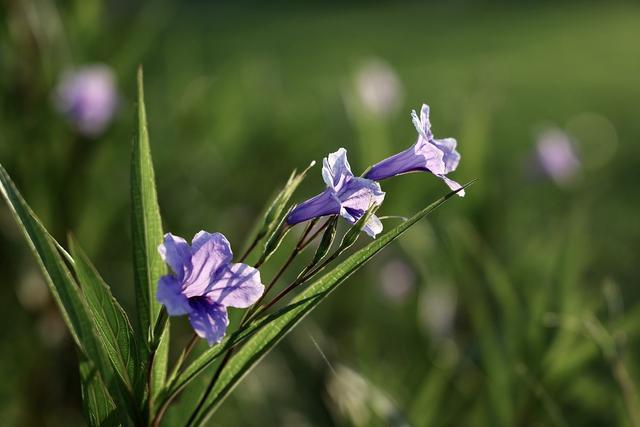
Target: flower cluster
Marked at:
205, 281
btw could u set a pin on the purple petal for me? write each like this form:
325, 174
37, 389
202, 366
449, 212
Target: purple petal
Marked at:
237, 285
175, 251
357, 197
373, 227
451, 157
208, 319
422, 124
210, 252
169, 294
336, 170
325, 203
418, 157
453, 185
557, 157
88, 98
360, 194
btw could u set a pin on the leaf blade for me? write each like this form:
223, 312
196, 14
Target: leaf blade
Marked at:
66, 293
97, 404
146, 227
112, 324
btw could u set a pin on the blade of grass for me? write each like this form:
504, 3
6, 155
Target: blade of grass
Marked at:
146, 227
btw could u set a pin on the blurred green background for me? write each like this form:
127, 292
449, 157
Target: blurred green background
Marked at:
515, 306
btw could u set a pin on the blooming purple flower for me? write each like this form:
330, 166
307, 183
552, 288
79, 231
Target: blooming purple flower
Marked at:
438, 156
556, 156
346, 194
205, 282
87, 98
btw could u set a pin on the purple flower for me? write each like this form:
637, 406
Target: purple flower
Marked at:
347, 195
556, 156
438, 156
87, 98
205, 282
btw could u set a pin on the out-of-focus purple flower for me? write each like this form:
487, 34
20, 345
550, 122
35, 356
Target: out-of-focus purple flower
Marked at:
378, 88
556, 156
438, 156
87, 97
437, 310
346, 194
397, 281
205, 282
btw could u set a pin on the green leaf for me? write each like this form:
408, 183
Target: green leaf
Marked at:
277, 210
273, 243
65, 291
112, 324
146, 227
98, 406
326, 242
353, 233
264, 333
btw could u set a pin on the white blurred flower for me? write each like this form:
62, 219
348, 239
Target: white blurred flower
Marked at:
556, 156
437, 310
378, 87
87, 97
32, 291
397, 280
52, 329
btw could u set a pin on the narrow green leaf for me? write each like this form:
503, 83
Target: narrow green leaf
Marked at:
264, 333
146, 227
65, 291
99, 408
112, 324
277, 210
274, 241
327, 240
353, 233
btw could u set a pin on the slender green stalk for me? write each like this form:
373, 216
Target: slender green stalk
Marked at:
250, 249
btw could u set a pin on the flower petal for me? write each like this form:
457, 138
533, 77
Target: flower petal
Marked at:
238, 285
208, 319
169, 294
453, 185
422, 124
325, 203
336, 170
361, 194
373, 227
175, 251
413, 159
451, 157
210, 252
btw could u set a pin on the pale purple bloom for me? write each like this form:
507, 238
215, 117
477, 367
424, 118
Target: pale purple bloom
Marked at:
437, 309
397, 281
346, 194
556, 156
379, 88
438, 156
205, 282
87, 97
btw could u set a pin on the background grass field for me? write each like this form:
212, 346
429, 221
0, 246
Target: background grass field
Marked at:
520, 303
